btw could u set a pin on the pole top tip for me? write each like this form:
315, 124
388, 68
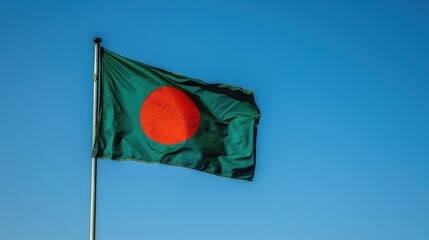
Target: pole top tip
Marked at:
97, 40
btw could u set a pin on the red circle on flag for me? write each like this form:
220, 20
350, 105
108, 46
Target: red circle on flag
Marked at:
169, 116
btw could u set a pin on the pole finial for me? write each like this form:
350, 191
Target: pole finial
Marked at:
97, 40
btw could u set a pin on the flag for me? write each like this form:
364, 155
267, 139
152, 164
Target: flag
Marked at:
151, 115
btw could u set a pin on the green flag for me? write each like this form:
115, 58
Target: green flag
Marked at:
148, 114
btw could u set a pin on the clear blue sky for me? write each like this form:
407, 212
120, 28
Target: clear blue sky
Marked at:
343, 143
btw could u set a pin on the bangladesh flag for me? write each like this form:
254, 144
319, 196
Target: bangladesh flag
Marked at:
148, 114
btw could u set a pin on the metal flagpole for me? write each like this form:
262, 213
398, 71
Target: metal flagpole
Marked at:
97, 42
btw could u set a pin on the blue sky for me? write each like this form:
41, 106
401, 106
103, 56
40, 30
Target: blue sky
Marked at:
342, 144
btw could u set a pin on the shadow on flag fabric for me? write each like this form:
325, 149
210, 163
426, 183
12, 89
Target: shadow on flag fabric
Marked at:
151, 115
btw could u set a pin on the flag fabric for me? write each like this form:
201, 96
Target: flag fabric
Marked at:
151, 115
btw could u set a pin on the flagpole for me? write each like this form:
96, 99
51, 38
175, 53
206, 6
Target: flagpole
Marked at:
97, 42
